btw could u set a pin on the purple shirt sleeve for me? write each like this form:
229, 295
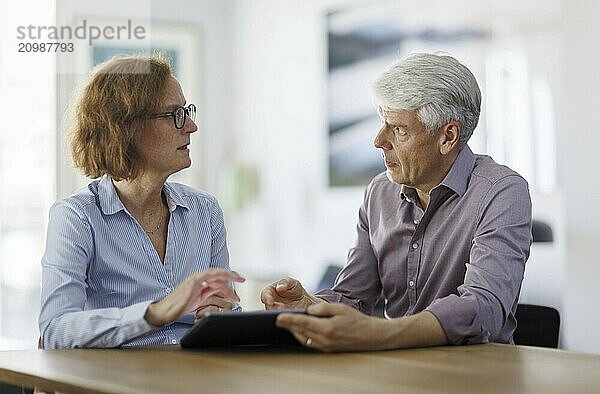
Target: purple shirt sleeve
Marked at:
495, 269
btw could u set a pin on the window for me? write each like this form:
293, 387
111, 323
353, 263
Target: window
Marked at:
520, 119
27, 180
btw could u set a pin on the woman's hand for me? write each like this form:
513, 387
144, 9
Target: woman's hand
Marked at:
216, 303
193, 294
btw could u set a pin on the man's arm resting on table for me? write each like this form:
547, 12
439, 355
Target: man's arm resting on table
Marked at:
420, 330
337, 327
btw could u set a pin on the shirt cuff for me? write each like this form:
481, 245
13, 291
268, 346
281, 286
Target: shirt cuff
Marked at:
457, 316
332, 296
134, 321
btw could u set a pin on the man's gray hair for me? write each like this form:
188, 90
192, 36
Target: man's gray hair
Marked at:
439, 87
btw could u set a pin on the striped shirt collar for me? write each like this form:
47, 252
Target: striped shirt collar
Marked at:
111, 204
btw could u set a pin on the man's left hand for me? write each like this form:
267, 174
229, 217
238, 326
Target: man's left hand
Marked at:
336, 327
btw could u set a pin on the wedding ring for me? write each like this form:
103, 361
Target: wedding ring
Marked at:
308, 341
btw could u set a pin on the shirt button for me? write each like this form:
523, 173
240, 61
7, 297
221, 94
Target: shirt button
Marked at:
415, 245
416, 222
174, 341
411, 283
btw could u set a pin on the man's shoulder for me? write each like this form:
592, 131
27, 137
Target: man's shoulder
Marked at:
382, 189
380, 178
381, 183
488, 171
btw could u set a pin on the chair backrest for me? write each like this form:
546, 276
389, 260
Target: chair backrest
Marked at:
541, 231
537, 326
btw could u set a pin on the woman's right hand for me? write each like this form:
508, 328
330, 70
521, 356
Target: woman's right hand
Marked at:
191, 294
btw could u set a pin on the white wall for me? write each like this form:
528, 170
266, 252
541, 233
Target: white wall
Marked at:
579, 162
296, 225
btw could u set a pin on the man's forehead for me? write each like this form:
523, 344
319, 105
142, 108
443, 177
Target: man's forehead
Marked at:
392, 113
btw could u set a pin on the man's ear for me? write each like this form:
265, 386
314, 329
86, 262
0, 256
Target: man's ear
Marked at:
449, 136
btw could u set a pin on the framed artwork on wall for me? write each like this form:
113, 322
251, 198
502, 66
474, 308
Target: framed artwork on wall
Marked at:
362, 42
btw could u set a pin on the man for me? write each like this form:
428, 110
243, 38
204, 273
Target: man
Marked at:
443, 235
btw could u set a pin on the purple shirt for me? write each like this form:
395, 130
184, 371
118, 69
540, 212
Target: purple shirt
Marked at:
461, 259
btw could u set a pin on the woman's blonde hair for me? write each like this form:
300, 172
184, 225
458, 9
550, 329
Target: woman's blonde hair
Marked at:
112, 109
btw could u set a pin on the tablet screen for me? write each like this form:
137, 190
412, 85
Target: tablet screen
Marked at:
225, 329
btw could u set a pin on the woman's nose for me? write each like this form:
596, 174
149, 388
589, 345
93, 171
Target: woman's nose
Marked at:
190, 126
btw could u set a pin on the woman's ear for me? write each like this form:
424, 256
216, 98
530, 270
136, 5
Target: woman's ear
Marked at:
449, 137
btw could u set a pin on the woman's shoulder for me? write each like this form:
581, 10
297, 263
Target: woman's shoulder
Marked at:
81, 205
80, 200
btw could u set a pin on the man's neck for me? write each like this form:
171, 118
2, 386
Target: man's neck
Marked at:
423, 198
441, 172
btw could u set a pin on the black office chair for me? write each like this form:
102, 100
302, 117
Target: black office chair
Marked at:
537, 326
6, 388
541, 231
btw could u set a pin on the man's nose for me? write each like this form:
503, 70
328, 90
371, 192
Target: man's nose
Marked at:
381, 140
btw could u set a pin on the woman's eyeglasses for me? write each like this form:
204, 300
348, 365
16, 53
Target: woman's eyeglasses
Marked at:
179, 114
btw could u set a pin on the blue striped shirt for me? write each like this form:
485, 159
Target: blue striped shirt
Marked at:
100, 271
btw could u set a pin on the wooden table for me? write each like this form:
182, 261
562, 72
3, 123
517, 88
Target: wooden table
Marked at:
168, 369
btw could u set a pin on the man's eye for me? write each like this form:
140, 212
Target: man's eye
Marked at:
398, 130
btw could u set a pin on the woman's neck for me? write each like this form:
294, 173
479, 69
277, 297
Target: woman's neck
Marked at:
140, 195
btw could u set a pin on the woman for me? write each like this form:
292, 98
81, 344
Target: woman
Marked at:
130, 257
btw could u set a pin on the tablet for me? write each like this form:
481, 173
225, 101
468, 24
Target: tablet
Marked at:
229, 329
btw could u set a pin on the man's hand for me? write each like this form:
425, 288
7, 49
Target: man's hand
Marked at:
336, 327
287, 293
191, 294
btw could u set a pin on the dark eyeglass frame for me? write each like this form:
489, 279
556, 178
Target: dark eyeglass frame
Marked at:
189, 112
